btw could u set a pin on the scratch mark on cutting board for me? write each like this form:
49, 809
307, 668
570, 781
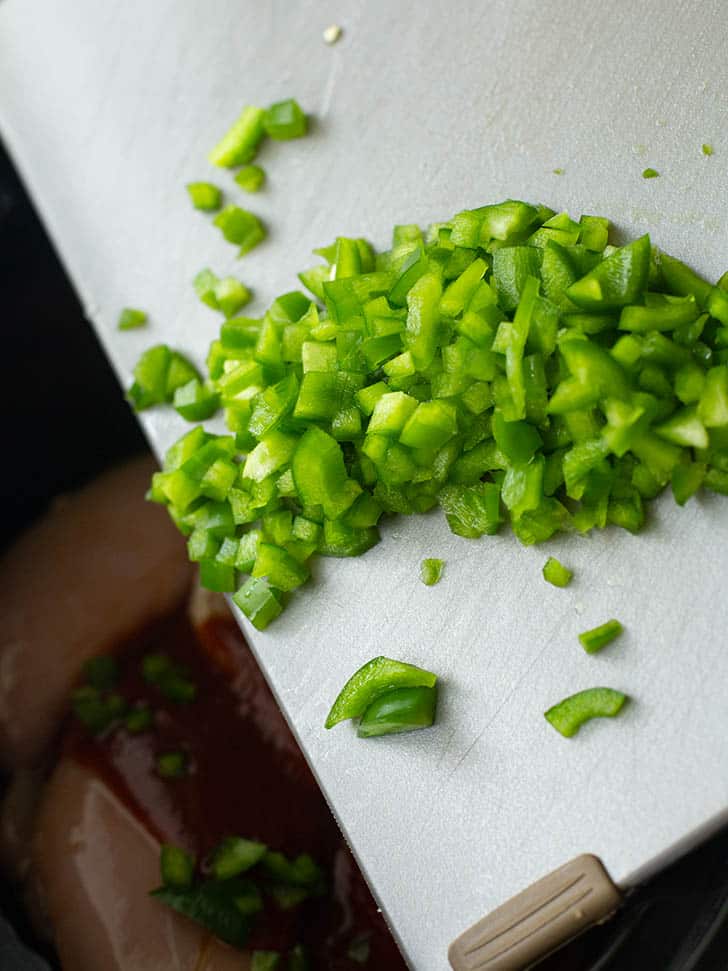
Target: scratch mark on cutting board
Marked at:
516, 685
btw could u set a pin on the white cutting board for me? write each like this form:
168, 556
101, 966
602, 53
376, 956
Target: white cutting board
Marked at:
422, 110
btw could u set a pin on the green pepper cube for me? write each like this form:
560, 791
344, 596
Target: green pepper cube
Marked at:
319, 396
556, 573
231, 295
176, 865
271, 406
686, 479
247, 550
430, 425
172, 765
270, 454
130, 319
250, 178
284, 120
713, 405
139, 719
240, 227
371, 680
320, 474
280, 569
316, 356
391, 413
196, 401
368, 397
217, 576
204, 196
236, 855
265, 961
346, 424
205, 284
597, 638
431, 571
258, 602
240, 143
202, 544
684, 427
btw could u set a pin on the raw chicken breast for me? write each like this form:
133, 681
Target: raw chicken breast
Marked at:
98, 567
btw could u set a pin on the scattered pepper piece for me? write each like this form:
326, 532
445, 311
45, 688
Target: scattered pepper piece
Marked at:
431, 571
569, 715
204, 196
240, 144
240, 227
649, 173
172, 765
250, 178
597, 638
131, 319
556, 573
284, 120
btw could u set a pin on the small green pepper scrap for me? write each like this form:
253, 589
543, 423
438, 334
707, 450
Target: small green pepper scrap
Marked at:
240, 227
556, 573
130, 319
205, 196
250, 178
594, 640
569, 715
284, 120
431, 571
389, 696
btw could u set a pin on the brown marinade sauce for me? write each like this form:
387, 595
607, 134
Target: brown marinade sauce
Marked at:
247, 778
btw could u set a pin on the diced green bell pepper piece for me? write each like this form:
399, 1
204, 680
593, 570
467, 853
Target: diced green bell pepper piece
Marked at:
423, 319
617, 281
284, 120
240, 227
280, 569
217, 576
258, 602
556, 573
272, 452
399, 710
320, 474
250, 178
687, 478
377, 676
240, 143
196, 401
512, 267
713, 404
659, 312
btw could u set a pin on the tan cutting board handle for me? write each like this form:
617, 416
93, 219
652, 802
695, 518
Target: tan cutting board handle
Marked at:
538, 921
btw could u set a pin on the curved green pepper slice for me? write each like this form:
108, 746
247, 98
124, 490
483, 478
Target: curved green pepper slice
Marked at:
399, 710
569, 715
373, 679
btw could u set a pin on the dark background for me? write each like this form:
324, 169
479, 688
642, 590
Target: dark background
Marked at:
65, 420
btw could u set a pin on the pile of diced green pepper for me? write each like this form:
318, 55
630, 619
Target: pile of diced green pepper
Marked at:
507, 365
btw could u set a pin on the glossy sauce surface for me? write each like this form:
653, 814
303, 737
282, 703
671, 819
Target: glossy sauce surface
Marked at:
247, 777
